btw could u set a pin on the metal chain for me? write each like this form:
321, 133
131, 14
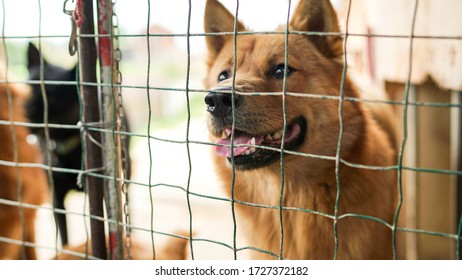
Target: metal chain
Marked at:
123, 137
72, 46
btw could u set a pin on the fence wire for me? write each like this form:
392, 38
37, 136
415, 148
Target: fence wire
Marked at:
151, 140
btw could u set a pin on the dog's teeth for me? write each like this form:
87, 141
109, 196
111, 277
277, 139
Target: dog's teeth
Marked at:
277, 135
247, 152
268, 138
252, 150
252, 142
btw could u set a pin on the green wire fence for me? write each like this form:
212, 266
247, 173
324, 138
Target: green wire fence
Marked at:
184, 95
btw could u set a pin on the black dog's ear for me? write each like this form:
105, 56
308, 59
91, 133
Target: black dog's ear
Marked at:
74, 72
33, 56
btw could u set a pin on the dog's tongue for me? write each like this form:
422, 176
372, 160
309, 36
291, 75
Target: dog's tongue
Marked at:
241, 138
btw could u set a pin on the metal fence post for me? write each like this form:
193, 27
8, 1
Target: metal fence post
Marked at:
111, 141
456, 164
93, 153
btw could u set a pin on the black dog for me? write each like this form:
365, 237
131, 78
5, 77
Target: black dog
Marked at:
63, 108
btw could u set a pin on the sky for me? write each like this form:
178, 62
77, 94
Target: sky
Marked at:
29, 17
22, 16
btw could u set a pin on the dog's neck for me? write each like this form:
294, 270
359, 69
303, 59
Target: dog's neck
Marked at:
309, 202
266, 190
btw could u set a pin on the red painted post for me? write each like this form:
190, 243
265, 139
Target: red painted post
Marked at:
111, 141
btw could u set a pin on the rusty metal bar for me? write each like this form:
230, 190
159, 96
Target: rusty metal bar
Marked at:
111, 141
91, 115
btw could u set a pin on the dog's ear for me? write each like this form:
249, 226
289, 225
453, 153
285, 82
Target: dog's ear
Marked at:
74, 72
319, 16
218, 19
33, 56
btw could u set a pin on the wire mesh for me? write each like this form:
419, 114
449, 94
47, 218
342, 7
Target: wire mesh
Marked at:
188, 141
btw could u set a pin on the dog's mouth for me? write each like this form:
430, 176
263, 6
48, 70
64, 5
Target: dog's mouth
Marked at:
249, 150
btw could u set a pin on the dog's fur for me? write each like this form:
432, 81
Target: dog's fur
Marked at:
63, 108
31, 180
316, 64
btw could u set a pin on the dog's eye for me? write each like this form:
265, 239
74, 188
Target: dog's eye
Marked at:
223, 76
278, 71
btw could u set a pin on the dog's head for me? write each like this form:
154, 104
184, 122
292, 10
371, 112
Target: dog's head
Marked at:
314, 66
62, 99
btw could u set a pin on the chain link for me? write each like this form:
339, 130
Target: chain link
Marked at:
122, 123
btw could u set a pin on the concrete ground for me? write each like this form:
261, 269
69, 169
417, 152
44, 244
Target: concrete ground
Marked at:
211, 219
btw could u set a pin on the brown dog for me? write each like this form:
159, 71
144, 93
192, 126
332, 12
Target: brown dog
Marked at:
315, 65
31, 180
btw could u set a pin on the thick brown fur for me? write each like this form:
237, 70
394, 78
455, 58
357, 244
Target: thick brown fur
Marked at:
31, 180
309, 183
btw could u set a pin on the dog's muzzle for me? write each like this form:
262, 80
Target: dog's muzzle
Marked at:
219, 101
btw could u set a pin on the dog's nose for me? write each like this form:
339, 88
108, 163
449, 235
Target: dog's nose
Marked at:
219, 101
